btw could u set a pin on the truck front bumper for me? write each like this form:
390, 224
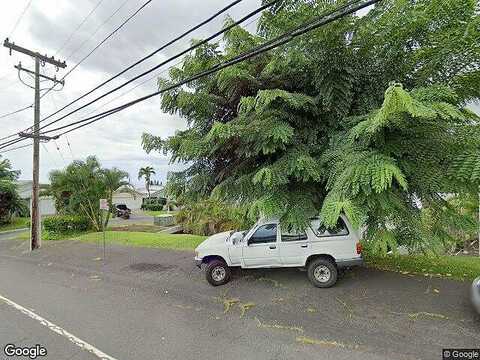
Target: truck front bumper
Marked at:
198, 262
345, 263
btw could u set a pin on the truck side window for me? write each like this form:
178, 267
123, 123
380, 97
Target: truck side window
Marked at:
264, 234
320, 230
292, 235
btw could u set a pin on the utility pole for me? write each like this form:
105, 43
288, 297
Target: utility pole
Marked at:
35, 239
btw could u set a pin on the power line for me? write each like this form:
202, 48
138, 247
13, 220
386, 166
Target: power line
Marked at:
151, 78
84, 20
105, 39
12, 113
138, 62
269, 45
285, 38
216, 68
16, 148
186, 51
19, 19
211, 18
82, 60
96, 30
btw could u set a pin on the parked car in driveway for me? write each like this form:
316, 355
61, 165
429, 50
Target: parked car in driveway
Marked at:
122, 211
268, 244
475, 294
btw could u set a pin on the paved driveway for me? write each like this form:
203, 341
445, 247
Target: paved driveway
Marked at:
137, 218
145, 302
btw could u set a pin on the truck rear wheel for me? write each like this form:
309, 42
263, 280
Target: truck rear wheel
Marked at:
322, 273
217, 272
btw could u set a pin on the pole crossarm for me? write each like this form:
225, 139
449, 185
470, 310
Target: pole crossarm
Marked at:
39, 137
54, 79
43, 58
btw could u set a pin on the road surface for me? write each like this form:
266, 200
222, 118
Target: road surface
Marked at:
154, 304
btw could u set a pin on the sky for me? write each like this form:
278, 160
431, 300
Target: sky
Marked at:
116, 140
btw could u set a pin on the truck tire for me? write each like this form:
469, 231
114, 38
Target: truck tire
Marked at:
217, 272
322, 273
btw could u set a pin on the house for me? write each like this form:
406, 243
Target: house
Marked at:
134, 199
46, 203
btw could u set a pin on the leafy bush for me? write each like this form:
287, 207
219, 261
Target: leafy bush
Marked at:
152, 207
65, 224
210, 216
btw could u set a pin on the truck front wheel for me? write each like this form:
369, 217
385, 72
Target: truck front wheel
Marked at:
322, 273
217, 272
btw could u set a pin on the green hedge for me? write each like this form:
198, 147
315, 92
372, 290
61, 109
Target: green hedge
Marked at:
152, 207
64, 224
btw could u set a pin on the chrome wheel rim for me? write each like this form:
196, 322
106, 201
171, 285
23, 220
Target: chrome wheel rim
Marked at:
322, 273
218, 273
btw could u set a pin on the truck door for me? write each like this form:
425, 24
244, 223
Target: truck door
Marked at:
293, 247
261, 249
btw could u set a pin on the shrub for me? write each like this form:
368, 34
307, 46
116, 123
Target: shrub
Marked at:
208, 217
65, 224
153, 207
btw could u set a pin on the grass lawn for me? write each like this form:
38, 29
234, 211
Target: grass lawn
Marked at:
142, 239
455, 267
156, 213
17, 223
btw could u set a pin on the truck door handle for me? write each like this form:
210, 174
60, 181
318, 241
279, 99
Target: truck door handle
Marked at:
304, 246
272, 247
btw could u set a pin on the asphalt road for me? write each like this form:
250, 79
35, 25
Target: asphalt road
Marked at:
154, 304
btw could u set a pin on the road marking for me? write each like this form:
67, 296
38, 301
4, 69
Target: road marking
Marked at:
57, 329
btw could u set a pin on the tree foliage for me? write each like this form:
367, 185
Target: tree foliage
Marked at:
364, 116
10, 201
78, 188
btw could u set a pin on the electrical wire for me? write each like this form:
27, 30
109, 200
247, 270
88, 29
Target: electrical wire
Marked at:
186, 51
84, 20
19, 19
150, 78
269, 45
16, 148
211, 18
96, 30
104, 40
82, 60
12, 113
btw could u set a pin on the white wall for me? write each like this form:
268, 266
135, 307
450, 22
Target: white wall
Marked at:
47, 206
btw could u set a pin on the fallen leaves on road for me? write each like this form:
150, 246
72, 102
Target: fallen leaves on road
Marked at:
245, 307
309, 341
229, 303
278, 326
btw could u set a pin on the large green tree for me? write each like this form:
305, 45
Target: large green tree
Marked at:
364, 116
78, 188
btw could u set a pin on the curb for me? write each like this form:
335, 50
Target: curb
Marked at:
14, 231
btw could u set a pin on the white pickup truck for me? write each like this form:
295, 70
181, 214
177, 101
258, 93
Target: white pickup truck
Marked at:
267, 245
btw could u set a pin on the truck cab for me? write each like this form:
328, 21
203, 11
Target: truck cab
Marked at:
268, 244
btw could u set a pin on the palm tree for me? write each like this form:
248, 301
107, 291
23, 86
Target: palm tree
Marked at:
146, 172
113, 180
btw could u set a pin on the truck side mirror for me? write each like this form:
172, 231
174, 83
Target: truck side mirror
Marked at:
237, 237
